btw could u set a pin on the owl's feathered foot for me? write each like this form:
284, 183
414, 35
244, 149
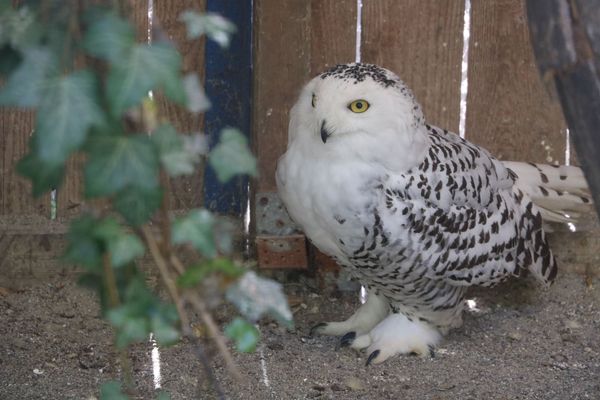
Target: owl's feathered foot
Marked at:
394, 335
363, 320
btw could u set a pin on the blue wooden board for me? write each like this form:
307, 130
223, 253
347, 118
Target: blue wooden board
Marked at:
228, 86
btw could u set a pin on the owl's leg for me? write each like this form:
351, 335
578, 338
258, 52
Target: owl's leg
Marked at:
363, 320
397, 334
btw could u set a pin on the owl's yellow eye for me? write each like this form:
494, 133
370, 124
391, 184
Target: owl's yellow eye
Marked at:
359, 106
314, 100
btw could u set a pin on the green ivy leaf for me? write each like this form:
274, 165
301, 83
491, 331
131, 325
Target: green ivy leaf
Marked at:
125, 248
243, 333
215, 26
25, 85
69, 107
162, 395
174, 156
255, 296
83, 247
122, 246
143, 69
140, 314
19, 28
197, 100
137, 205
116, 162
163, 330
232, 156
111, 390
196, 228
43, 175
195, 274
109, 37
9, 60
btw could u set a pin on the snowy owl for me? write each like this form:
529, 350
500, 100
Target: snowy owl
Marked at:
413, 212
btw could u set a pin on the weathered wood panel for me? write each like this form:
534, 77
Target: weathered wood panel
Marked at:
29, 259
281, 66
332, 42
420, 40
16, 127
186, 192
294, 40
510, 112
70, 196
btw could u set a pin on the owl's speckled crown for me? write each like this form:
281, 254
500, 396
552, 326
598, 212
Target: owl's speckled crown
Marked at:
358, 72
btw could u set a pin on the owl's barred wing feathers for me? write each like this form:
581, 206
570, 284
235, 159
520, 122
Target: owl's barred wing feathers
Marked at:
460, 219
559, 191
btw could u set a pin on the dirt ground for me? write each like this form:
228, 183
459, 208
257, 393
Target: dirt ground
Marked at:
522, 343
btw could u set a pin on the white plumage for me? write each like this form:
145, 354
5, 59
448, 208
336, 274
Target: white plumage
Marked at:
413, 212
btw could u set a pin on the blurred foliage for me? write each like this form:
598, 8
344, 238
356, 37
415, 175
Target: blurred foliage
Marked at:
88, 79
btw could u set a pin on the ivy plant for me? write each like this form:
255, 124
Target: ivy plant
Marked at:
89, 81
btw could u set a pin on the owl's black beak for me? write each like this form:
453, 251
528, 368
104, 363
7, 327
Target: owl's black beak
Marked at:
324, 132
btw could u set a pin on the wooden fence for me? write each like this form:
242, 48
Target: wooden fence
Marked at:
509, 111
31, 243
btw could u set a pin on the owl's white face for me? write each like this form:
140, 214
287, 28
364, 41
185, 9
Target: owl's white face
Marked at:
358, 110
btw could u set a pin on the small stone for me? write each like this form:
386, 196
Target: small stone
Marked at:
38, 371
571, 324
516, 336
336, 387
275, 346
354, 383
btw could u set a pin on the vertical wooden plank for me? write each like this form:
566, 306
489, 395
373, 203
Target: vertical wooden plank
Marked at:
228, 78
333, 32
509, 111
420, 40
16, 127
282, 47
186, 192
294, 40
70, 196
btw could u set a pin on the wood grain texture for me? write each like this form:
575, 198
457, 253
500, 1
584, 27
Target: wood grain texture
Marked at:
333, 33
509, 111
70, 198
294, 40
186, 192
281, 66
420, 40
16, 127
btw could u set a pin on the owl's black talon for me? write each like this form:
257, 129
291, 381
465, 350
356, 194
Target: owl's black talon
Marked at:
317, 326
372, 356
431, 351
347, 339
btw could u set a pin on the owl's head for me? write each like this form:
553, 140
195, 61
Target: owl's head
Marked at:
358, 107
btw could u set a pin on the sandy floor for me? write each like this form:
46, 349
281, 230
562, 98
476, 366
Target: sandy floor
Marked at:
523, 343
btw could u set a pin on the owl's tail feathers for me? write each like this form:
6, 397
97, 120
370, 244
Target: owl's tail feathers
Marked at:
561, 193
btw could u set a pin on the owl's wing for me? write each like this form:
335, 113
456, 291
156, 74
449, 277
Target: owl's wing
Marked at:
460, 220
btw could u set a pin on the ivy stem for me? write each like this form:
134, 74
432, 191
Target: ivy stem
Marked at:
113, 298
164, 211
166, 277
208, 320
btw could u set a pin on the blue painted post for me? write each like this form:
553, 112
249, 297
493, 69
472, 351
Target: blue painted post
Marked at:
228, 86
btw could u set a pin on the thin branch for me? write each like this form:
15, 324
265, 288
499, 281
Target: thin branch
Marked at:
214, 331
207, 367
113, 298
166, 276
176, 263
164, 214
